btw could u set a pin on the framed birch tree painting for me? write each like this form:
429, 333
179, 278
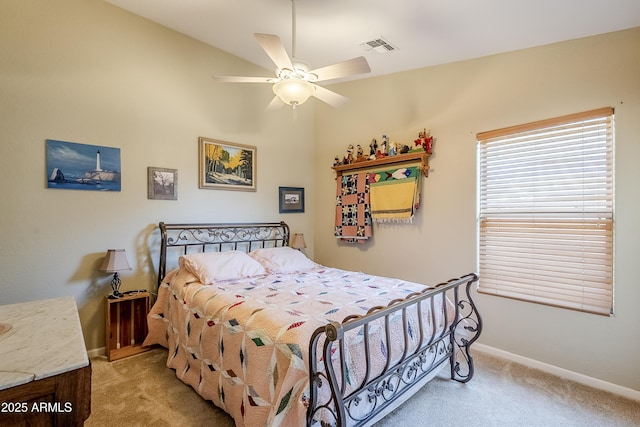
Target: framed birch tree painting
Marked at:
226, 166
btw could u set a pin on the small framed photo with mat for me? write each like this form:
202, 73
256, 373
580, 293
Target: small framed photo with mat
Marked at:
291, 199
162, 183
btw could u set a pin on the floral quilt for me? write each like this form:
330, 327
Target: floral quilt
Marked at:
243, 344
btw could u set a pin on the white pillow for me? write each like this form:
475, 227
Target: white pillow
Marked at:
210, 267
282, 260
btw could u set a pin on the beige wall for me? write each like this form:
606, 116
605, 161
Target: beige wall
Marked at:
85, 71
456, 101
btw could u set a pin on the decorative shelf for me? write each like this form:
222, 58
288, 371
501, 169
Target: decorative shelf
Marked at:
423, 157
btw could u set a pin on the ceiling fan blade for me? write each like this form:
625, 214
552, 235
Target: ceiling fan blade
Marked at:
332, 98
240, 79
350, 67
275, 49
275, 104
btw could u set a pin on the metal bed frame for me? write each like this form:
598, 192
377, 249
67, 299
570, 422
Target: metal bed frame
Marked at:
218, 237
400, 378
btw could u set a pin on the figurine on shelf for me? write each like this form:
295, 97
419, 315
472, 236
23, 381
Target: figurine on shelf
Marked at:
348, 155
404, 149
384, 146
360, 154
373, 148
393, 148
425, 140
336, 161
381, 150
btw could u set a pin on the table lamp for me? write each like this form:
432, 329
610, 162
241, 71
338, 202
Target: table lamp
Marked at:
298, 241
115, 261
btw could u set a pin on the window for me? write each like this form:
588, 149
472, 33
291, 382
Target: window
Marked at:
546, 212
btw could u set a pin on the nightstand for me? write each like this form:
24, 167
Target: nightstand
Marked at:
126, 326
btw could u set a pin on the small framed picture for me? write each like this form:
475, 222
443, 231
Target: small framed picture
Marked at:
162, 183
226, 165
291, 199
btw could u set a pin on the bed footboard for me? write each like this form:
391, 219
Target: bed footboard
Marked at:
398, 349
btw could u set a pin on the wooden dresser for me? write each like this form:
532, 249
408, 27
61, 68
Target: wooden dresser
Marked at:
45, 374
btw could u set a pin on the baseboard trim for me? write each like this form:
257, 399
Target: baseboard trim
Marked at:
560, 372
96, 352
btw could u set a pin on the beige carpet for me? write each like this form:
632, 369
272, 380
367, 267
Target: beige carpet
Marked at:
141, 391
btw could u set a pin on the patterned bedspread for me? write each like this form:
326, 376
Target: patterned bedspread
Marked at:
243, 343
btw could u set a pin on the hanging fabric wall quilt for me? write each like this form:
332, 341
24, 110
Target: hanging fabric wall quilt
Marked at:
395, 194
353, 211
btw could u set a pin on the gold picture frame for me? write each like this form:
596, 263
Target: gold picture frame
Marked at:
226, 165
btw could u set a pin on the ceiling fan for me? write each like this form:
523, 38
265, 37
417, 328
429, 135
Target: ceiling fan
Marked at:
294, 83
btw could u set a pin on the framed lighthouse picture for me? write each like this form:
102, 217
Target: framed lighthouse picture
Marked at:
74, 166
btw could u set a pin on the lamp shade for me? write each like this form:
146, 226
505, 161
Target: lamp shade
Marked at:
116, 260
293, 91
298, 241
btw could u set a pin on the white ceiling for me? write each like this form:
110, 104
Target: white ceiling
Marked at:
425, 32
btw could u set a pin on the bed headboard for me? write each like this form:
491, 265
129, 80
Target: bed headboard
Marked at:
182, 239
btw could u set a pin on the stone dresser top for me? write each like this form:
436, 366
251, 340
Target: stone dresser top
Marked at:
40, 339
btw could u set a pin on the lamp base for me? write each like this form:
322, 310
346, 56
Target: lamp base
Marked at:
115, 285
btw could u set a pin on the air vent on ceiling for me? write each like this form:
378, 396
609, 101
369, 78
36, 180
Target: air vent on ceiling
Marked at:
379, 45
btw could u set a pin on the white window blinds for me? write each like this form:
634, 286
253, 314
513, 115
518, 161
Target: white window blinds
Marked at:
546, 212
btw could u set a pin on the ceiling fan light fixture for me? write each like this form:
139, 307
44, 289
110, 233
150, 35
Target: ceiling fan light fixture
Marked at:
294, 83
293, 91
